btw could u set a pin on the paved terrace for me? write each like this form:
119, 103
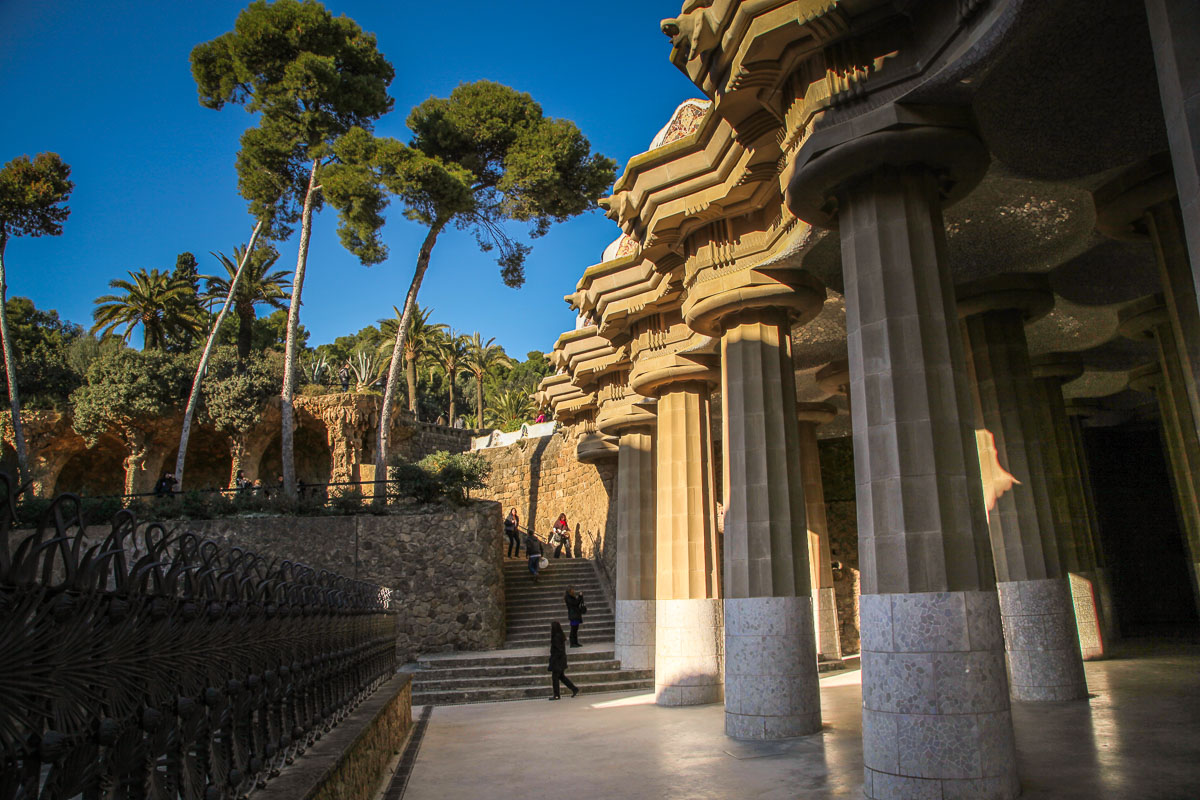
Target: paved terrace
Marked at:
1138, 737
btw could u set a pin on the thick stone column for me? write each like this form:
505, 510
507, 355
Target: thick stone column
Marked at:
689, 621
1173, 25
1149, 318
770, 654
936, 718
809, 416
1141, 204
1079, 549
1029, 543
630, 417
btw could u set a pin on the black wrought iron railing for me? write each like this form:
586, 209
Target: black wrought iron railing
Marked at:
149, 663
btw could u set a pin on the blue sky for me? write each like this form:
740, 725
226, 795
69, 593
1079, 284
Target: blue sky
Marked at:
108, 87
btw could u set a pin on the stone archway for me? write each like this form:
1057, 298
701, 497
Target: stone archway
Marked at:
97, 470
313, 457
208, 460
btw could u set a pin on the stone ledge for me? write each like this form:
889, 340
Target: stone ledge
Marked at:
349, 762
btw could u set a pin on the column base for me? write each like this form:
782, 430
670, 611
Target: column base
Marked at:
936, 719
1085, 599
689, 651
771, 689
1040, 640
634, 640
829, 644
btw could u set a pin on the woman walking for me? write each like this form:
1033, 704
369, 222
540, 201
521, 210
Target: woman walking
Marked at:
558, 661
576, 608
512, 530
561, 536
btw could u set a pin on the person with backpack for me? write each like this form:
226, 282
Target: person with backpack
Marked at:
576, 608
533, 549
561, 536
344, 376
558, 661
512, 525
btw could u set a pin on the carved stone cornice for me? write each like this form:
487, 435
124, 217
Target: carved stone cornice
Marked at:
665, 351
615, 294
623, 410
567, 402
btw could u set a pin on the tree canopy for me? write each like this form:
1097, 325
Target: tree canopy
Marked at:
127, 389
163, 304
33, 196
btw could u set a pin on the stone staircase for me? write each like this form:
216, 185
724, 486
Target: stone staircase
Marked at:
533, 606
518, 672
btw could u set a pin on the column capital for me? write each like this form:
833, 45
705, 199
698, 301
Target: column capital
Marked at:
834, 377
1122, 203
1146, 378
1030, 294
711, 306
623, 412
816, 413
1140, 319
1063, 367
938, 138
594, 446
667, 352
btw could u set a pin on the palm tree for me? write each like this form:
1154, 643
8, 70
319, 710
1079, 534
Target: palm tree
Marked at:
421, 340
257, 286
162, 304
509, 409
449, 354
480, 360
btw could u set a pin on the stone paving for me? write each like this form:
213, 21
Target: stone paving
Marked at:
1137, 737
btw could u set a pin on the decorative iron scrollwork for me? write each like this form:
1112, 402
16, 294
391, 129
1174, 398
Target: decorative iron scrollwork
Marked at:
155, 664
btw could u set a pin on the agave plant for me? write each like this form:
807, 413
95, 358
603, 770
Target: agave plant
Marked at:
368, 366
315, 368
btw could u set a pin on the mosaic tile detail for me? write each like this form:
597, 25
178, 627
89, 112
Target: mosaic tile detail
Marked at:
929, 621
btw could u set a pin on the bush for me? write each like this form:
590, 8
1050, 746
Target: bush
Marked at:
457, 473
414, 482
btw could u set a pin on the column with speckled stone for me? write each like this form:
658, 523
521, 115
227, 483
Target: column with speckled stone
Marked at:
936, 716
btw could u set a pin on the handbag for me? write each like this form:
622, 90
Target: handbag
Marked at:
543, 563
582, 605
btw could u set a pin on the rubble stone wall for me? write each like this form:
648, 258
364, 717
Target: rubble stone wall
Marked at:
542, 478
429, 438
444, 562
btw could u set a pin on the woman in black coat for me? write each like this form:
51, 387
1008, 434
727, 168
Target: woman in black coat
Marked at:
558, 660
576, 608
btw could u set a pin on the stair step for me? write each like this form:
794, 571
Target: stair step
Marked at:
505, 660
542, 626
511, 670
525, 693
527, 680
594, 638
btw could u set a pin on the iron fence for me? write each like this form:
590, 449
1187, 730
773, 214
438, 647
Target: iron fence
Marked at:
154, 664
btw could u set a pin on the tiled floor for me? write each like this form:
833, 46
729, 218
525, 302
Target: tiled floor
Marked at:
1138, 737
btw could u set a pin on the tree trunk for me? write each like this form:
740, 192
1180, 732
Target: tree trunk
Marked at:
450, 374
10, 370
411, 377
135, 444
190, 411
287, 442
479, 401
245, 334
382, 440
237, 454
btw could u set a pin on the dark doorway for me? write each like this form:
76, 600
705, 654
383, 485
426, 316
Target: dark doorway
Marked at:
1140, 530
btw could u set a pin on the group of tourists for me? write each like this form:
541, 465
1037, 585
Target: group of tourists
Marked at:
560, 537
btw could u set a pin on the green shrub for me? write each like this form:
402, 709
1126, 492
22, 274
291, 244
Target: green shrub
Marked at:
414, 482
457, 473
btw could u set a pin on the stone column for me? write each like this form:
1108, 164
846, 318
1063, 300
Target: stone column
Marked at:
936, 719
809, 416
1149, 318
689, 627
1078, 543
770, 654
1141, 204
629, 417
1030, 544
1173, 25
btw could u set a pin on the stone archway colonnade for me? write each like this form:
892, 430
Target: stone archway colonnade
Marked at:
861, 228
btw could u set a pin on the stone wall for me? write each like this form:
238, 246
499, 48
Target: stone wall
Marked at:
443, 561
541, 478
428, 438
837, 475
